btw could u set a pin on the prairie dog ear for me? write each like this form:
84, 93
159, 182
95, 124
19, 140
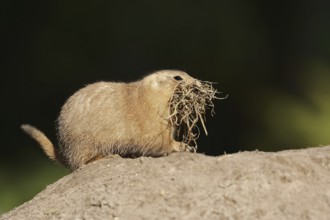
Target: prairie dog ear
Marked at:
155, 84
159, 81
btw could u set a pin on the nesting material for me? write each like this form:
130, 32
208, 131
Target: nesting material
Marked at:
188, 106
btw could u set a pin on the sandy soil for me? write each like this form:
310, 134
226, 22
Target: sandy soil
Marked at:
291, 184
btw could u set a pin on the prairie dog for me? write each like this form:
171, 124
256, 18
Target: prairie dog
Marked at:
106, 118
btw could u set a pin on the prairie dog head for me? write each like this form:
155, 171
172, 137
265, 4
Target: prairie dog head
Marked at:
187, 100
165, 81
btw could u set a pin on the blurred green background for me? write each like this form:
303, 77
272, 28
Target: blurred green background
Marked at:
271, 57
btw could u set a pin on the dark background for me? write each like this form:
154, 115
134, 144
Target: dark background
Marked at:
271, 57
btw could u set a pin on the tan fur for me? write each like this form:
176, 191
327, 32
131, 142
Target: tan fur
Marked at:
41, 138
115, 118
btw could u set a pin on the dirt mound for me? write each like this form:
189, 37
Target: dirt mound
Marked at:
291, 184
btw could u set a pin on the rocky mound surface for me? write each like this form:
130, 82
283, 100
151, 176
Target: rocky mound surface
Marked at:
293, 184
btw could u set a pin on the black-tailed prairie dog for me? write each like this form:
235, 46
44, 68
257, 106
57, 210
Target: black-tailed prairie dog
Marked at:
154, 116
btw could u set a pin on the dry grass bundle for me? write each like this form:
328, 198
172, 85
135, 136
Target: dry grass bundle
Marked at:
187, 107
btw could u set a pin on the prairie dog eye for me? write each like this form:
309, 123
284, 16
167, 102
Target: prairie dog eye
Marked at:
178, 78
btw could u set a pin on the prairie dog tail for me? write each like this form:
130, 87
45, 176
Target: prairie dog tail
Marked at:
41, 138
